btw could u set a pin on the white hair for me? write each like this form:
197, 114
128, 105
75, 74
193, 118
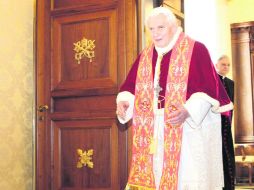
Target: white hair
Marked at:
223, 57
162, 10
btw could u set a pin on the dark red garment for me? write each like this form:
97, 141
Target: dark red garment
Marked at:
202, 75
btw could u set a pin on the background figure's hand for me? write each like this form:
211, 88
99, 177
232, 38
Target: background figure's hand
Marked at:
178, 115
121, 109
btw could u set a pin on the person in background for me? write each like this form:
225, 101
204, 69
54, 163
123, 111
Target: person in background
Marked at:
223, 66
175, 100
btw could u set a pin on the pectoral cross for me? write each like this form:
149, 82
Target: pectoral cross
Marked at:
157, 90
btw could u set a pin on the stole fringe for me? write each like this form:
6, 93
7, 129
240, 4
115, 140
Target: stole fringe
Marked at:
137, 187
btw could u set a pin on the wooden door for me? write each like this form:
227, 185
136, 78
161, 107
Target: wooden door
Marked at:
83, 52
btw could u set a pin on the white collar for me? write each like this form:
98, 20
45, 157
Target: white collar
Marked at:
223, 77
166, 49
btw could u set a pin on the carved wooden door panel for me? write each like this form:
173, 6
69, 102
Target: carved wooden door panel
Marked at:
80, 62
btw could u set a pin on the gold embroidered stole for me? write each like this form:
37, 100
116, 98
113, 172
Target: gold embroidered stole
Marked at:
141, 175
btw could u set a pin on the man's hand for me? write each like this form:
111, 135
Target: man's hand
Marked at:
178, 115
121, 109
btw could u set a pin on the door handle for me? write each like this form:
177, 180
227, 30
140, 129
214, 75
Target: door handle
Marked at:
43, 108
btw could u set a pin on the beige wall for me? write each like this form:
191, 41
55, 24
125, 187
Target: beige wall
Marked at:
17, 93
241, 10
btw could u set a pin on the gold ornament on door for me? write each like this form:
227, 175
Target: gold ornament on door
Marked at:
85, 48
85, 158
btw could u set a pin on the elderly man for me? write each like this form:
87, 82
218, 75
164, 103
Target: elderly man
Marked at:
175, 100
223, 66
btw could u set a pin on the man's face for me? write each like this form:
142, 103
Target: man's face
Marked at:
223, 66
160, 30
